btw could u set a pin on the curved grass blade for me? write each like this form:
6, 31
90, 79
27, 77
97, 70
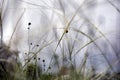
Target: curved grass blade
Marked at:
15, 28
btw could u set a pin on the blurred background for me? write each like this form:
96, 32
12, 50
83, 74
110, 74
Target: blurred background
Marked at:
64, 32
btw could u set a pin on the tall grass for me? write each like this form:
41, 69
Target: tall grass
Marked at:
62, 49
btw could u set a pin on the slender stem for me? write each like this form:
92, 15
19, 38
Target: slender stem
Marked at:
1, 30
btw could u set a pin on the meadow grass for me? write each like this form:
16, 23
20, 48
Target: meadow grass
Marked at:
31, 70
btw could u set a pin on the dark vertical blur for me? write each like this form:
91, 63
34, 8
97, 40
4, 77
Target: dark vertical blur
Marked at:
1, 32
118, 33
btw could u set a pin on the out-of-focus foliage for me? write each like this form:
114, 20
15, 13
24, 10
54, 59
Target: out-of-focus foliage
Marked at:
67, 39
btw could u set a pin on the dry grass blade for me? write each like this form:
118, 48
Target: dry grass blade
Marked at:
88, 43
97, 29
62, 7
99, 76
15, 28
37, 5
82, 65
69, 23
73, 45
98, 48
113, 5
94, 26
